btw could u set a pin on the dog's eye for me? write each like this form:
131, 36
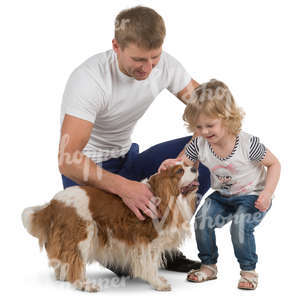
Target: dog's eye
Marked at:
179, 171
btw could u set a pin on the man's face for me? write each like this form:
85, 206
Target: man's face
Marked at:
136, 62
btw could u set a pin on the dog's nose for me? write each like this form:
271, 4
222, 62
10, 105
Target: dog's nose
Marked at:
193, 170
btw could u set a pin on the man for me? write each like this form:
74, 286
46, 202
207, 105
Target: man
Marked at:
104, 98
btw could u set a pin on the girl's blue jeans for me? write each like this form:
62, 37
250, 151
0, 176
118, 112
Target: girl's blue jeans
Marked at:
218, 210
137, 166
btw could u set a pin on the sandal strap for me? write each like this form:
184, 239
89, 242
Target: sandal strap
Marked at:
252, 280
201, 275
250, 272
214, 270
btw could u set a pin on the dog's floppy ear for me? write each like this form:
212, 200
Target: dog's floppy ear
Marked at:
151, 182
154, 179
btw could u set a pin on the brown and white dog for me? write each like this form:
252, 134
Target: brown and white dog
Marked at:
83, 224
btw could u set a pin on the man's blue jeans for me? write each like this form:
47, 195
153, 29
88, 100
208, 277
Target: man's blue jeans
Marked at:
218, 210
137, 166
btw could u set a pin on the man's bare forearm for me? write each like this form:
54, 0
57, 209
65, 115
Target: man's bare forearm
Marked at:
84, 171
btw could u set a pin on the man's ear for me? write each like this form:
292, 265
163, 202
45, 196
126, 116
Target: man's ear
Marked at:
115, 46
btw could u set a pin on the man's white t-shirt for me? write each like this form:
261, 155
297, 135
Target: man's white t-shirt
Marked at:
98, 92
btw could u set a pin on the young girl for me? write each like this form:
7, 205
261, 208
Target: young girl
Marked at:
243, 189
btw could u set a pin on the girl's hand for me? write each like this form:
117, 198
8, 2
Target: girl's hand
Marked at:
168, 163
263, 202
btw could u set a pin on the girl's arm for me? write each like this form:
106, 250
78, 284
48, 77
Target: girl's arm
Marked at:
273, 173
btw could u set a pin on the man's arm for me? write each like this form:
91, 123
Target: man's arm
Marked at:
184, 96
75, 134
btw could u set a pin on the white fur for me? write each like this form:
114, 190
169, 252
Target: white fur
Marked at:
188, 175
89, 246
76, 197
184, 207
61, 269
27, 215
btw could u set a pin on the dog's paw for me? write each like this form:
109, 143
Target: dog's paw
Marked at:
60, 274
162, 285
163, 279
87, 286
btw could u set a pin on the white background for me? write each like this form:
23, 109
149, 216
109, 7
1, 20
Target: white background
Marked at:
253, 46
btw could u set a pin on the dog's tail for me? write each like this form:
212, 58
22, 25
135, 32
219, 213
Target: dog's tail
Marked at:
37, 221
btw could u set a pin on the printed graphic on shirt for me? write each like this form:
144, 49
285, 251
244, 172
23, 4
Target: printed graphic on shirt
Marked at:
225, 180
224, 177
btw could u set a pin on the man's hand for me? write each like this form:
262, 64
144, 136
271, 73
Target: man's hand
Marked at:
137, 196
263, 202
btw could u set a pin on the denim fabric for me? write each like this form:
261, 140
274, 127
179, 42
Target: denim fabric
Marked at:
137, 166
217, 211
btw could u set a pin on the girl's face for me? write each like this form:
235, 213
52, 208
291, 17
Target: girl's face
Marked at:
212, 129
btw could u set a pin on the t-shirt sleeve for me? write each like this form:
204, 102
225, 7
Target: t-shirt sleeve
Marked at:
82, 97
257, 150
192, 150
178, 77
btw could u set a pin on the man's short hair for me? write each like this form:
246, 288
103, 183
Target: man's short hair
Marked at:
140, 25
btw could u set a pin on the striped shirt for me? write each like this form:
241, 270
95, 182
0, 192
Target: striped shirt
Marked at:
240, 172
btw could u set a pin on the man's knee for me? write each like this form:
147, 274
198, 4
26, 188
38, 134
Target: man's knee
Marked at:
67, 182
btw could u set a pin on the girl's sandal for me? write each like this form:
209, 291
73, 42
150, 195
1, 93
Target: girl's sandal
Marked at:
201, 275
253, 280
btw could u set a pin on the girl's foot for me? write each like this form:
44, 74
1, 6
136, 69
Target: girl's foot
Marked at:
206, 272
248, 281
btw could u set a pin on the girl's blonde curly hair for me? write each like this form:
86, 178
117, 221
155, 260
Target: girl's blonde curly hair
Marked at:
215, 100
